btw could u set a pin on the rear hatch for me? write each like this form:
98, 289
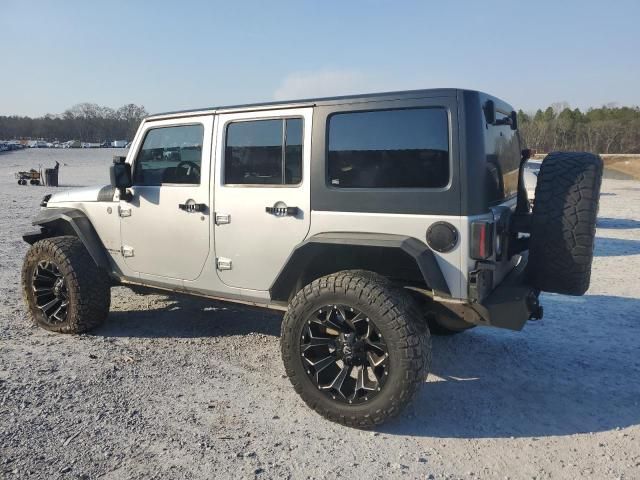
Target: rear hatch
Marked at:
493, 160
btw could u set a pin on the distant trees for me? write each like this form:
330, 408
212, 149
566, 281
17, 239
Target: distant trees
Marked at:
86, 122
609, 129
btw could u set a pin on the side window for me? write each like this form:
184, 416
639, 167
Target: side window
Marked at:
170, 155
406, 148
503, 153
264, 152
293, 151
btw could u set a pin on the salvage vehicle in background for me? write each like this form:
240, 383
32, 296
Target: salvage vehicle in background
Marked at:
530, 176
373, 221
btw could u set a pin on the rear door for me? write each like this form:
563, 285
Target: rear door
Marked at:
262, 206
165, 225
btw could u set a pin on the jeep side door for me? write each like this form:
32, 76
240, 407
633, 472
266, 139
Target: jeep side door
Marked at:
261, 197
165, 225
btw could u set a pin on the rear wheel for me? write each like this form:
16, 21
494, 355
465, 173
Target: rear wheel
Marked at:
62, 286
564, 222
352, 348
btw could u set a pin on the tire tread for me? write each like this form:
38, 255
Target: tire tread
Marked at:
564, 222
395, 307
90, 285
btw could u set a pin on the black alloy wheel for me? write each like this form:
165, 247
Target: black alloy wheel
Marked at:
355, 347
344, 354
51, 293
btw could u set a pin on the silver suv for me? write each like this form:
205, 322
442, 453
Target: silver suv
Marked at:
373, 221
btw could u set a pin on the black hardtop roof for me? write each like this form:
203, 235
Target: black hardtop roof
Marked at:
399, 95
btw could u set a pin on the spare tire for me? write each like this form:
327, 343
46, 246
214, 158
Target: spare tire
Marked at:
564, 222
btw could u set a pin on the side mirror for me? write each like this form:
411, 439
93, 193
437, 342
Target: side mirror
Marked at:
490, 112
121, 176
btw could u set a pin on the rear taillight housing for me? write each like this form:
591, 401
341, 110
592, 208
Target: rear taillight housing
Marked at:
481, 240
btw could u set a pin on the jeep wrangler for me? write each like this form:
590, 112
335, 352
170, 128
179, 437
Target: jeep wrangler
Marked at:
373, 221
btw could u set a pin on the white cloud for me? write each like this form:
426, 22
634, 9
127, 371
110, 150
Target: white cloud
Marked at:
324, 83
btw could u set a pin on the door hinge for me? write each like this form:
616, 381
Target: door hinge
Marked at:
223, 263
127, 251
124, 212
223, 218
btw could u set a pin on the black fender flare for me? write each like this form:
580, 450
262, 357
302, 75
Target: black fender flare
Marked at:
70, 221
387, 254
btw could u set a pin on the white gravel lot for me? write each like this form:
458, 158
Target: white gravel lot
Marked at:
174, 387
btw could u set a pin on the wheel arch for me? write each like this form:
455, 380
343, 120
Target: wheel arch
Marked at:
397, 257
55, 222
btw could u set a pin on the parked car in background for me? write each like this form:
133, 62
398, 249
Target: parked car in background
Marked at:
531, 178
14, 145
72, 144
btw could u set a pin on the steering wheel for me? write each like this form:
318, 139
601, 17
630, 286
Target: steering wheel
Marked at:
192, 167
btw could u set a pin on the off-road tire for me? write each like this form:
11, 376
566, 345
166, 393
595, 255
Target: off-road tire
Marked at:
88, 286
397, 317
564, 222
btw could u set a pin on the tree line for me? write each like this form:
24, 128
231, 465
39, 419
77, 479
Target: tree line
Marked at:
86, 122
608, 129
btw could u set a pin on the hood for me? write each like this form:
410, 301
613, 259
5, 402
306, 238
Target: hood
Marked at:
85, 194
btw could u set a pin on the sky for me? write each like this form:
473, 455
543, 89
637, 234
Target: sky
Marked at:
169, 55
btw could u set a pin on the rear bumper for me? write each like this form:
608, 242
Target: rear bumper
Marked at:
512, 303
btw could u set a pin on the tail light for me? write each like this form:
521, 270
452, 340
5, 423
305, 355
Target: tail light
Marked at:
481, 240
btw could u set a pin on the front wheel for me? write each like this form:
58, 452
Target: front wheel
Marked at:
63, 288
352, 348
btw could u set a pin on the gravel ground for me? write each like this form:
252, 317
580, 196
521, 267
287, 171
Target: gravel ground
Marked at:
173, 387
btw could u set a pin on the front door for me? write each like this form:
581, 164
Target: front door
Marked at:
165, 224
262, 204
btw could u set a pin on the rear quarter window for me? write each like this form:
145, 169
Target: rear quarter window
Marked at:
503, 154
403, 148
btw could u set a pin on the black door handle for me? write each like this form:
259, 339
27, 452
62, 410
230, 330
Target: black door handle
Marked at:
192, 207
283, 211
